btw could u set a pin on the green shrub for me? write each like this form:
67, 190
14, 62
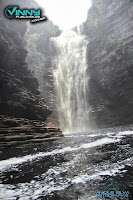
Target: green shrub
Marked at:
112, 55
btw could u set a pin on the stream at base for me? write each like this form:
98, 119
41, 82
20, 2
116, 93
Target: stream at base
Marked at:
70, 168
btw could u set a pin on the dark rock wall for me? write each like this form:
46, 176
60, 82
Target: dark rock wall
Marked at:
109, 28
19, 94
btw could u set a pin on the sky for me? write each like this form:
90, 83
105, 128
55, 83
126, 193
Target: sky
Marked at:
66, 13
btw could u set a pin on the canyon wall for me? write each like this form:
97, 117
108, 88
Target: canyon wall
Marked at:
109, 29
21, 104
20, 96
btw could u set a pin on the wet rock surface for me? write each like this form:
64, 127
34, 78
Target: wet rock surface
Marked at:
70, 168
18, 131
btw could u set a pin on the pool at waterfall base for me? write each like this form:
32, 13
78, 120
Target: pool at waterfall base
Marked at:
70, 168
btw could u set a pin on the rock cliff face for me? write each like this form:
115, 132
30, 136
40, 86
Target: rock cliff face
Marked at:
109, 28
39, 60
20, 97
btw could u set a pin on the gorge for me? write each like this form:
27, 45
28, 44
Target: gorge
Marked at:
66, 101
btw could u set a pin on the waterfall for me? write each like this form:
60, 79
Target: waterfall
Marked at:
71, 81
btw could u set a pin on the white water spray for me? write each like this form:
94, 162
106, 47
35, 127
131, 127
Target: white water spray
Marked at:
71, 81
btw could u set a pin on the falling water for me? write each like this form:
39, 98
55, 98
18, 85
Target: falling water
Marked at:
71, 81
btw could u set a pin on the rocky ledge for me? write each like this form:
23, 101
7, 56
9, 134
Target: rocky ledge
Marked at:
17, 131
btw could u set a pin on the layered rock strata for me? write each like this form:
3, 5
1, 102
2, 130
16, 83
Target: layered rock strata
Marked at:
109, 28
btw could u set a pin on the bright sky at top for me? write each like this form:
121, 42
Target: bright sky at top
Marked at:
66, 13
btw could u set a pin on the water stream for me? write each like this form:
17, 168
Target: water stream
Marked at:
70, 168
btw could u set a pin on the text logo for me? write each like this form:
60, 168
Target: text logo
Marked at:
13, 12
112, 189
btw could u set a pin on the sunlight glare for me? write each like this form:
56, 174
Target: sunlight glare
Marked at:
66, 13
